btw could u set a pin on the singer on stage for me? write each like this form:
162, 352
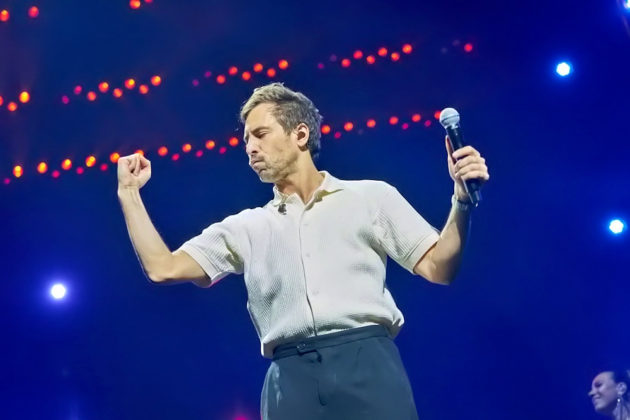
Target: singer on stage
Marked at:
313, 260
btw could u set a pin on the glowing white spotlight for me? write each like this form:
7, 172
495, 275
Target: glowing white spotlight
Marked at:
626, 4
617, 226
58, 291
564, 68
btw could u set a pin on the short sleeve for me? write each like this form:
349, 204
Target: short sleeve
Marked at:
402, 232
216, 249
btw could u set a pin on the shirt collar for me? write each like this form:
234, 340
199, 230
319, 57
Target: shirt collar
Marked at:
329, 185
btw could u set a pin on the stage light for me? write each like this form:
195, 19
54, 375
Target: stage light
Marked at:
90, 161
55, 174
271, 72
371, 123
283, 64
348, 126
199, 153
143, 89
162, 151
117, 92
626, 4
135, 4
382, 51
232, 70
25, 97
187, 148
58, 291
345, 62
12, 106
65, 100
18, 171
393, 120
78, 89
103, 87
130, 83
395, 56
220, 79
246, 75
91, 96
42, 167
358, 54
436, 115
325, 129
1, 100
617, 226
233, 142
103, 167
416, 117
407, 48
210, 144
4, 15
370, 59
80, 170
564, 69
222, 150
66, 164
156, 80
113, 158
258, 67
33, 12
468, 47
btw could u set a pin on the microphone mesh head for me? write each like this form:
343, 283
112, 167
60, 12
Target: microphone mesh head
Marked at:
449, 117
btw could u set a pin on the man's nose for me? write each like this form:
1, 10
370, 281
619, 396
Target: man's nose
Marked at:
591, 392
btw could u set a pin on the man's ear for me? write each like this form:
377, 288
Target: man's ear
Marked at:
302, 134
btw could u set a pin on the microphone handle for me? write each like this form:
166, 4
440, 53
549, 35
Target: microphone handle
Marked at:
456, 138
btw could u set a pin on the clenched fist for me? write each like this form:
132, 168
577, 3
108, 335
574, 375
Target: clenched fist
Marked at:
133, 171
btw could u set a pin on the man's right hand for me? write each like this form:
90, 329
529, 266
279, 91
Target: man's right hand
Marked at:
133, 171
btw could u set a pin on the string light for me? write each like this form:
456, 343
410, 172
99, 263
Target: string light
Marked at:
283, 64
143, 89
382, 51
345, 63
233, 141
468, 47
25, 97
407, 48
233, 70
117, 92
18, 171
90, 161
130, 83
246, 75
163, 151
187, 148
371, 123
135, 4
210, 144
258, 67
42, 167
221, 79
156, 80
66, 164
91, 96
370, 59
271, 72
33, 12
358, 54
113, 158
12, 106
4, 15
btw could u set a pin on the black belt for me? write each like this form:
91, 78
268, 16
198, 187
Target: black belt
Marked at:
310, 344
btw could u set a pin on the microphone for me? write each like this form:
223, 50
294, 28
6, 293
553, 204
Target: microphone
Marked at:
449, 118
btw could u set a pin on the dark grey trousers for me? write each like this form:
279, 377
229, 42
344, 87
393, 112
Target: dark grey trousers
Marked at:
353, 374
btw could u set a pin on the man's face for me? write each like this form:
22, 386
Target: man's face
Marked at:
272, 153
604, 393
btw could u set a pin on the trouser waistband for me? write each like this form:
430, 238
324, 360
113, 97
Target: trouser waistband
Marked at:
310, 344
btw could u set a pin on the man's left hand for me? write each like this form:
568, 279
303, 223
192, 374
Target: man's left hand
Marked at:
465, 164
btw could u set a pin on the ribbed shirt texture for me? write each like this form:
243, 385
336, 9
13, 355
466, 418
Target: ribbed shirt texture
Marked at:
319, 267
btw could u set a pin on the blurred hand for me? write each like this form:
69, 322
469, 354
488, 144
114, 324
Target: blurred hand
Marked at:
465, 164
133, 171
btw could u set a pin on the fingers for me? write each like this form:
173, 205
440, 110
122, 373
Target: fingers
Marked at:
473, 171
469, 160
465, 151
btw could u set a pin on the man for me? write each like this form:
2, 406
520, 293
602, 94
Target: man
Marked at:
609, 394
313, 260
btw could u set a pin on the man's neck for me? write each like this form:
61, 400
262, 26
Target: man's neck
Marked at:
303, 182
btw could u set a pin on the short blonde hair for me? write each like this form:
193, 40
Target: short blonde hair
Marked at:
290, 109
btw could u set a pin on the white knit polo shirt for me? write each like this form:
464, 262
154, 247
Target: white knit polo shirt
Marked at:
319, 267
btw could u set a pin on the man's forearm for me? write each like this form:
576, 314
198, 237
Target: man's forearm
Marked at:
447, 253
153, 253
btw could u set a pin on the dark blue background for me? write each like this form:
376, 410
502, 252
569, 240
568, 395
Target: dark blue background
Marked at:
540, 305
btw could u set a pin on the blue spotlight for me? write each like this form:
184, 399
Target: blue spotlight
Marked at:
564, 69
626, 4
58, 291
617, 226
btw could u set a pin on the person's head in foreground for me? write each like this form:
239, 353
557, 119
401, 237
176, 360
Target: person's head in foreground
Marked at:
609, 394
282, 132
